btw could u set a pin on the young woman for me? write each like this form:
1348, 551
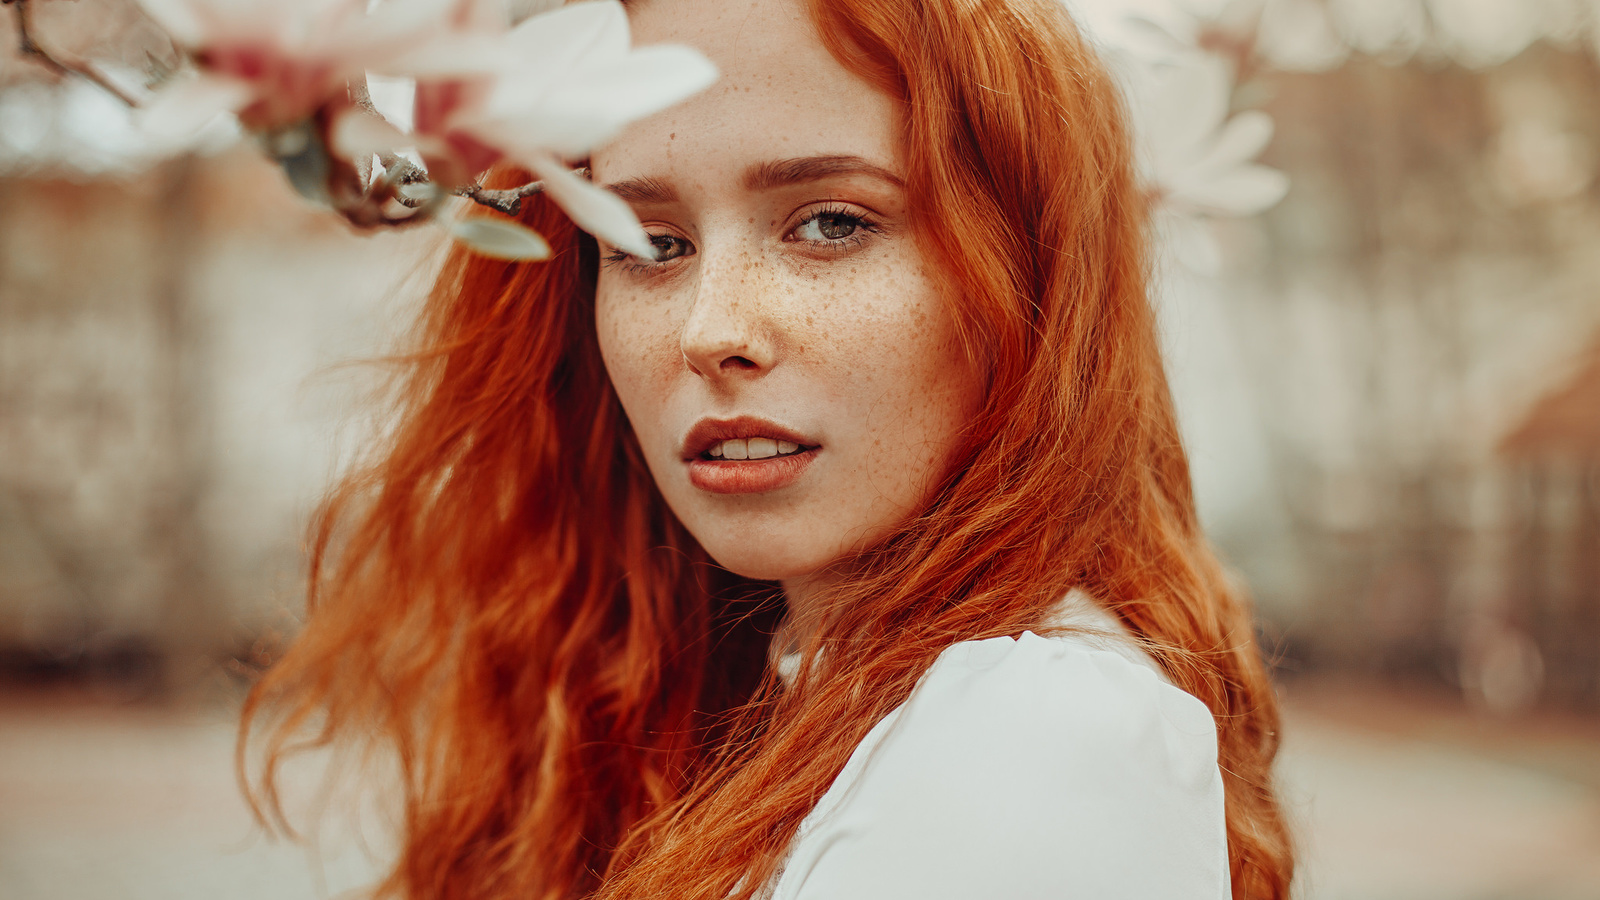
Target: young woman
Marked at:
843, 550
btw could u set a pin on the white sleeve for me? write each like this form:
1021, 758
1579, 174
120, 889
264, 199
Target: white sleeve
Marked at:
1024, 768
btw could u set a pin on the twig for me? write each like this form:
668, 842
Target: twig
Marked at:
508, 200
30, 47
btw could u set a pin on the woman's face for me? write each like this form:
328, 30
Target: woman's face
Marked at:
788, 364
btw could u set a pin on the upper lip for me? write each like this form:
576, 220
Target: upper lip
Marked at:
708, 433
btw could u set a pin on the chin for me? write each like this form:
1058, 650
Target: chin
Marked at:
764, 553
748, 549
761, 561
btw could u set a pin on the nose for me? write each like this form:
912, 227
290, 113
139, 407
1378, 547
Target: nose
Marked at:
728, 334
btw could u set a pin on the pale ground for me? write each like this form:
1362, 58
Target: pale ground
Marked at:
1398, 797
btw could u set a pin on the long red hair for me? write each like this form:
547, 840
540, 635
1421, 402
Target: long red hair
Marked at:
579, 699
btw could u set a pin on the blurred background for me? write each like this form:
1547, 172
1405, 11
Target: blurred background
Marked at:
1389, 382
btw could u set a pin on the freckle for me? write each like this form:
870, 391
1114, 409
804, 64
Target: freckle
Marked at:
752, 220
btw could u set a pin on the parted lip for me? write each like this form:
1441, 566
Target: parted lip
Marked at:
707, 433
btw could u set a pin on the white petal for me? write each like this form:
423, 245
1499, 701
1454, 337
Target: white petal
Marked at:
1392, 28
1486, 34
499, 238
649, 80
179, 19
395, 27
182, 108
1184, 106
522, 9
577, 115
550, 47
405, 16
1241, 191
595, 210
1296, 35
490, 15
566, 137
357, 134
1241, 140
1189, 239
452, 55
394, 98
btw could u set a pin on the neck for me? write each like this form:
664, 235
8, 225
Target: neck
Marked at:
806, 598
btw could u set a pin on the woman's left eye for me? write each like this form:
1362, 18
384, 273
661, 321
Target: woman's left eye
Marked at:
832, 228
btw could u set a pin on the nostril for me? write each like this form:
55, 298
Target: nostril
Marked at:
738, 362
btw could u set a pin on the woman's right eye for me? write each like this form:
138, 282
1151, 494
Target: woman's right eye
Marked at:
668, 247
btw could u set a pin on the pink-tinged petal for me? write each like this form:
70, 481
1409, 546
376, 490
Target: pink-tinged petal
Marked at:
181, 109
1241, 191
474, 154
455, 159
595, 210
435, 104
499, 238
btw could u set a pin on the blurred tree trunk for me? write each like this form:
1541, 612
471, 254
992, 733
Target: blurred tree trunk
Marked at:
194, 611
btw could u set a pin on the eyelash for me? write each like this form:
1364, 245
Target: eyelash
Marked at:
864, 226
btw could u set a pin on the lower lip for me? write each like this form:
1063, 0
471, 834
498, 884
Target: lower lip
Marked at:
748, 476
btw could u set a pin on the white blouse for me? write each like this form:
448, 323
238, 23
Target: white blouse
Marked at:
1025, 768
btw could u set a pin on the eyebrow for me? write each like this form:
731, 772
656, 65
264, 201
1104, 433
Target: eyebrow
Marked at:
644, 191
761, 177
783, 173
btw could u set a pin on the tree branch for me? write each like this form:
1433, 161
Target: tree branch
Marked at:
30, 47
508, 200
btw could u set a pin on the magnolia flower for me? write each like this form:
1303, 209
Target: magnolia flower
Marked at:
1196, 160
1199, 162
277, 63
550, 89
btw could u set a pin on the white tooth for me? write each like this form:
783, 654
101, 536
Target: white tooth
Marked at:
786, 447
715, 451
735, 449
762, 448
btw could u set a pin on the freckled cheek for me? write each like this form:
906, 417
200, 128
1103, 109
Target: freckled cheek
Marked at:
890, 326
641, 351
926, 387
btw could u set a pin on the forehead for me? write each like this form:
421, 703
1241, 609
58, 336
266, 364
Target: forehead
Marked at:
781, 94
